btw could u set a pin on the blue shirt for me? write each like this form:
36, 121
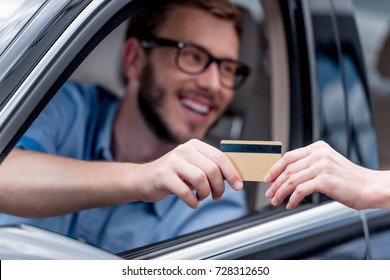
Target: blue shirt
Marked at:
78, 123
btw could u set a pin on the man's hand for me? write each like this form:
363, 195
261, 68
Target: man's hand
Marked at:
35, 184
192, 166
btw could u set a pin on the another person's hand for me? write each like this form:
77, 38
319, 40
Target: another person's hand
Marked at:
319, 168
193, 165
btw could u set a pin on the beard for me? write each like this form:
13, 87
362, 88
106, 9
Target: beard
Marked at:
150, 97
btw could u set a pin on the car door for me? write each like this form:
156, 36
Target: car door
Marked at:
42, 42
63, 33
323, 95
372, 19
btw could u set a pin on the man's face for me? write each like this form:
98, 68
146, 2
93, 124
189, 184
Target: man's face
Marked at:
180, 106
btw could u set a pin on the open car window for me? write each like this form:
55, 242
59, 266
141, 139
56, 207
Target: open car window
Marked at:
289, 97
241, 121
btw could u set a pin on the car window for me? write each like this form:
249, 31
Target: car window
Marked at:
362, 148
250, 115
346, 121
373, 22
332, 101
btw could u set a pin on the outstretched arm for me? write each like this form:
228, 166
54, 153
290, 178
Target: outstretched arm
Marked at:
40, 185
319, 168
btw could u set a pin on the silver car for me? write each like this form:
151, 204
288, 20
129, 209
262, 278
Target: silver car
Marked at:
309, 83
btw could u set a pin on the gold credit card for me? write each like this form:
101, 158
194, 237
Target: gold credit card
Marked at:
252, 159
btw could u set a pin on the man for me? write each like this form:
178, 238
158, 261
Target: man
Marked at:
130, 166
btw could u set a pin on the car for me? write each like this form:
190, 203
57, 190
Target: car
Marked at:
309, 82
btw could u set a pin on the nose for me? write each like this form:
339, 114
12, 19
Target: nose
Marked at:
210, 79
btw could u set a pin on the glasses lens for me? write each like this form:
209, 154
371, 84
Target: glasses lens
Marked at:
192, 60
229, 73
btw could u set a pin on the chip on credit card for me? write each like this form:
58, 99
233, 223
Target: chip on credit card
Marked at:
252, 159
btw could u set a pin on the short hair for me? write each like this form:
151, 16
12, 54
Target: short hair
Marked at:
146, 22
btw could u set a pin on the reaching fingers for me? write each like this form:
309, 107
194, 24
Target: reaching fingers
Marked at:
280, 166
292, 184
300, 193
287, 178
302, 172
291, 157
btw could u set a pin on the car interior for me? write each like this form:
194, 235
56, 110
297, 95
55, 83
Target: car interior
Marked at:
260, 108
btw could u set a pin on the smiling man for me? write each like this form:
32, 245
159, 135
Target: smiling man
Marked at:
121, 173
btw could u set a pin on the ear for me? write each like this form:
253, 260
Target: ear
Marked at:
134, 59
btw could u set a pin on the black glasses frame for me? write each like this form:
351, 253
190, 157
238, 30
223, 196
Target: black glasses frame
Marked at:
242, 72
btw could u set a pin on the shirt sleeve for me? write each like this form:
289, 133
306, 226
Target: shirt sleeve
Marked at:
49, 129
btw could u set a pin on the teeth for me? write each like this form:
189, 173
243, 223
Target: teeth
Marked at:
199, 108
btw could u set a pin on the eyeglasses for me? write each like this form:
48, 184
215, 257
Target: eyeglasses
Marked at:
193, 59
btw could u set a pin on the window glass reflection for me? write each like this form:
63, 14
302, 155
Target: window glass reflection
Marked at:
332, 105
373, 18
362, 140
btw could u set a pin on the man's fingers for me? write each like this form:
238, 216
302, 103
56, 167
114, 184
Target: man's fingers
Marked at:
213, 175
200, 168
184, 192
229, 172
195, 179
